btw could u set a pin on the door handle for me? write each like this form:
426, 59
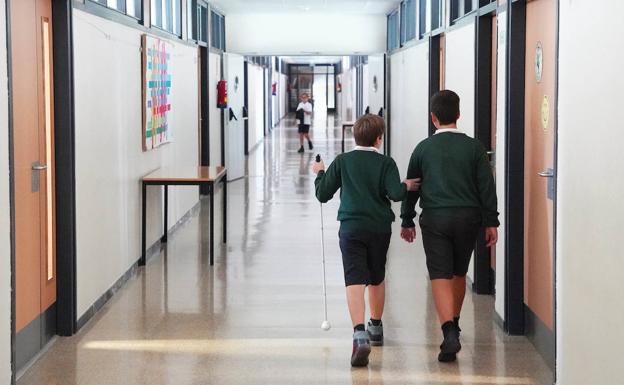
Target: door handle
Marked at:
34, 183
550, 174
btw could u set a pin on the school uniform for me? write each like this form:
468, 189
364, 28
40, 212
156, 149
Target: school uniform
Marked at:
367, 181
304, 124
457, 198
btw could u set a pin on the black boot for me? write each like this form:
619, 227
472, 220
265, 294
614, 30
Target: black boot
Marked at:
450, 346
300, 150
310, 146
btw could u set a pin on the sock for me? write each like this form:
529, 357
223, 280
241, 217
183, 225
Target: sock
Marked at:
448, 325
359, 328
456, 320
375, 322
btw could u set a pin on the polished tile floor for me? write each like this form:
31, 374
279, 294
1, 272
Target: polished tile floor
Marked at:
254, 317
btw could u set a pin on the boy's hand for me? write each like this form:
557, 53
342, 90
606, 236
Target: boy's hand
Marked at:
318, 167
491, 236
408, 233
412, 184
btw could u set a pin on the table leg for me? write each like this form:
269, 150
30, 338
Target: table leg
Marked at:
143, 207
166, 214
212, 223
225, 208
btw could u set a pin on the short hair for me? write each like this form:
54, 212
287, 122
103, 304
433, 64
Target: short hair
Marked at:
367, 129
304, 94
445, 106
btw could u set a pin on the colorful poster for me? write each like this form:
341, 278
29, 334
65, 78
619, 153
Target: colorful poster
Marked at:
156, 92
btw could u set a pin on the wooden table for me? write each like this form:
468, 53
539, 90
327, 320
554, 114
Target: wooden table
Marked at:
198, 176
344, 126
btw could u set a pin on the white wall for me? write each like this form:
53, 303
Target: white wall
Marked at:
305, 33
109, 157
459, 76
460, 72
5, 243
214, 117
501, 105
346, 100
590, 184
375, 69
256, 106
409, 87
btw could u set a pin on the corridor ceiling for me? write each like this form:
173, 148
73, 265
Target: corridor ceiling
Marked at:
371, 7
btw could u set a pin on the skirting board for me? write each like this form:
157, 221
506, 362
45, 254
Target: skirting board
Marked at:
540, 336
499, 320
132, 271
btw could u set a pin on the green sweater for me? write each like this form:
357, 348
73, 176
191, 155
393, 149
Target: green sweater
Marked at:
366, 179
455, 173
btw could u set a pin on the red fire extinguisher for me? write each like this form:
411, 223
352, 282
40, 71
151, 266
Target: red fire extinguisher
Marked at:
274, 88
222, 99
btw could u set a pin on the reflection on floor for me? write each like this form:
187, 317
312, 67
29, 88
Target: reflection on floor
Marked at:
254, 317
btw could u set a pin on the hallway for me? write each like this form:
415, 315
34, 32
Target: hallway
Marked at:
254, 317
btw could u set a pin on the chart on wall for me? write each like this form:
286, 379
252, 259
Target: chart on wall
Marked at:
156, 92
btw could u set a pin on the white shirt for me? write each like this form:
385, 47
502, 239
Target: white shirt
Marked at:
362, 148
443, 130
307, 107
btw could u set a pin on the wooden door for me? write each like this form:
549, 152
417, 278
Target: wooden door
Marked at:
33, 129
540, 81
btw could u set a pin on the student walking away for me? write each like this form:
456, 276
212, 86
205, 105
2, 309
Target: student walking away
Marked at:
368, 181
305, 119
458, 198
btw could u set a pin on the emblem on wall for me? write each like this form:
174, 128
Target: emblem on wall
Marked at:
375, 84
236, 83
539, 61
545, 112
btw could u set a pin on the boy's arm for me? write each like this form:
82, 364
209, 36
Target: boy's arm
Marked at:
328, 182
408, 207
395, 189
487, 189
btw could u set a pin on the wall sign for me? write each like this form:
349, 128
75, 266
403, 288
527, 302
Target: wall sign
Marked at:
375, 84
236, 83
545, 112
157, 72
539, 61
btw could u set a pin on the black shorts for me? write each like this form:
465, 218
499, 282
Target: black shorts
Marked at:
449, 238
304, 128
364, 257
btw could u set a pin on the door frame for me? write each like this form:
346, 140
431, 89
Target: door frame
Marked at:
246, 104
65, 187
483, 282
514, 168
434, 74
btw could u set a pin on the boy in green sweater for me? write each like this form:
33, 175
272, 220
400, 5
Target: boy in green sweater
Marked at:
368, 181
457, 197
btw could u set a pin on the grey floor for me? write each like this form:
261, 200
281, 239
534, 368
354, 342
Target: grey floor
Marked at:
254, 317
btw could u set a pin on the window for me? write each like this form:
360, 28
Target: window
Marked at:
460, 8
422, 18
218, 30
408, 20
197, 21
436, 14
132, 8
166, 15
393, 39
